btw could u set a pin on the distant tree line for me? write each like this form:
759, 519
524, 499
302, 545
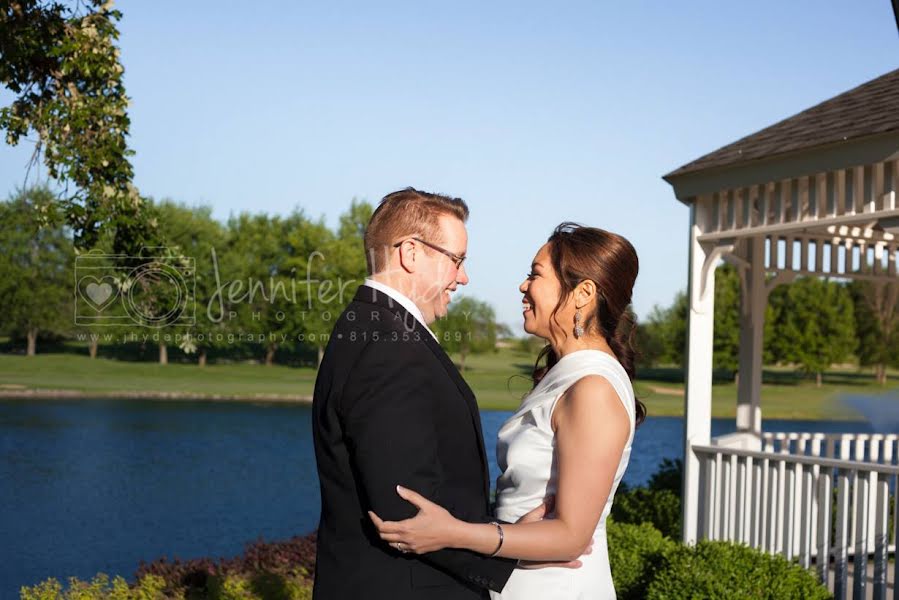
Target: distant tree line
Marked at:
811, 324
260, 286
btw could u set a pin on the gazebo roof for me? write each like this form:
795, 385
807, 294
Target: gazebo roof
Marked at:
867, 110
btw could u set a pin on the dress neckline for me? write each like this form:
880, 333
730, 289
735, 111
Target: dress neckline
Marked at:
558, 371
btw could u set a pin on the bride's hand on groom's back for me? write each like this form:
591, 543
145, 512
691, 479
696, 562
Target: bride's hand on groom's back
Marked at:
432, 529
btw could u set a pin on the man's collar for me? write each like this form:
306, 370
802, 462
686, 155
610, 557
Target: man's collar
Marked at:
401, 299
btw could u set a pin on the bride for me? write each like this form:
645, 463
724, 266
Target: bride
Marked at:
570, 438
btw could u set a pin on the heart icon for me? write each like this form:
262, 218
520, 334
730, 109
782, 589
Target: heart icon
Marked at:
98, 293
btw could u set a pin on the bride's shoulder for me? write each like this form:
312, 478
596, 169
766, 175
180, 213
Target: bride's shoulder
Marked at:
592, 397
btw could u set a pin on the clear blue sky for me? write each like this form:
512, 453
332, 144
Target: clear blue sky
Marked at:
535, 113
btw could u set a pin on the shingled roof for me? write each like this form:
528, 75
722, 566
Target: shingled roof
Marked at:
869, 109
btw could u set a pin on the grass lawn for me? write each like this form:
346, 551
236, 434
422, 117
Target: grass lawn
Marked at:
499, 380
103, 375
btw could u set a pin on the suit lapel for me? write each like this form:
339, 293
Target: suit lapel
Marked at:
470, 400
373, 296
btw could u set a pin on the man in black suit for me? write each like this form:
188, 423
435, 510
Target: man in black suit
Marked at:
390, 408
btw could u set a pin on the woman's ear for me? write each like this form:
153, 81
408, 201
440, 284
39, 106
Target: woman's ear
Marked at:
585, 293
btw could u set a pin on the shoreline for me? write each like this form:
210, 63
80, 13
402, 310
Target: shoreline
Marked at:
14, 393
59, 394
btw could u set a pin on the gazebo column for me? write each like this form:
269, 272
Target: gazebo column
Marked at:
754, 299
698, 399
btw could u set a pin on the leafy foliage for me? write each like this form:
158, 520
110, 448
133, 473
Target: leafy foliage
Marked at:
634, 553
98, 588
658, 504
876, 308
815, 324
469, 326
35, 268
723, 570
62, 64
280, 565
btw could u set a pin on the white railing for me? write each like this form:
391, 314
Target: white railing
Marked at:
881, 448
804, 507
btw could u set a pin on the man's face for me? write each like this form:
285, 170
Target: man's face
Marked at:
438, 276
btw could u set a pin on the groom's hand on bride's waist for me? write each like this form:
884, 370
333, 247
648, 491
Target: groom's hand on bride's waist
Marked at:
538, 514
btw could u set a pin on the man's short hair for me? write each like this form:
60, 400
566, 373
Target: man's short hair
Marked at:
403, 214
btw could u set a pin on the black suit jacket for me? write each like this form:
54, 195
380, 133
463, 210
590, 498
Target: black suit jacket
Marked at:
391, 408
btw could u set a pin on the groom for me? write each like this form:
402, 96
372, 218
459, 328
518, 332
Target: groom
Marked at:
391, 408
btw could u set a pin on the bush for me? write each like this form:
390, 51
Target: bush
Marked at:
261, 586
634, 554
659, 503
661, 508
670, 476
98, 588
292, 560
724, 570
265, 571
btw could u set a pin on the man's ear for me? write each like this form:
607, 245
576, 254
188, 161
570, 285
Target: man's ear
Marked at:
408, 255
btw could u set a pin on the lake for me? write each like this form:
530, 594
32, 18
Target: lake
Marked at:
98, 485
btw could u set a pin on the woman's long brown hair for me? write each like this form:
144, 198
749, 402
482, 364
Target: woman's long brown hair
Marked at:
580, 253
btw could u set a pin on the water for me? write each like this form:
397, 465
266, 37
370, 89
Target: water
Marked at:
97, 485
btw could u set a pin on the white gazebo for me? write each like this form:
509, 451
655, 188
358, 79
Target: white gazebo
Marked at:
816, 194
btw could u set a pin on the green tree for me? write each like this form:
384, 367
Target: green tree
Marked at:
267, 290
35, 268
335, 266
195, 235
876, 308
468, 327
815, 323
61, 62
726, 341
315, 263
665, 330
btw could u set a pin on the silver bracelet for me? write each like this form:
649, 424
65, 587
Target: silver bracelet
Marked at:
499, 528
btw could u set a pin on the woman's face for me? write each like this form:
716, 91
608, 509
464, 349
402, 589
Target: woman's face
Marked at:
541, 291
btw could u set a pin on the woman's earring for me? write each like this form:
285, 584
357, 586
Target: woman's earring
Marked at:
578, 330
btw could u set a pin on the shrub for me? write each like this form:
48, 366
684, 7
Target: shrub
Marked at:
724, 570
634, 553
98, 588
661, 508
670, 476
659, 503
260, 586
294, 559
266, 570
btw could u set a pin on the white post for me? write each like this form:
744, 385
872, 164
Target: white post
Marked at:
698, 400
754, 298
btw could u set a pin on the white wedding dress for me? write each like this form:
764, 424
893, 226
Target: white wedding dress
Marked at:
525, 454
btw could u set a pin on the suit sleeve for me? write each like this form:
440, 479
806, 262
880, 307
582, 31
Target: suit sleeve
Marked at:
390, 423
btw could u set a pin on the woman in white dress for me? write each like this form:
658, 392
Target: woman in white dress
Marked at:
571, 437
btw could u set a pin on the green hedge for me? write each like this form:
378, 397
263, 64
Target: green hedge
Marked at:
98, 588
635, 551
660, 508
263, 586
646, 564
728, 571
657, 503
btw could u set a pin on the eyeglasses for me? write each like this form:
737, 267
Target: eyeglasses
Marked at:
457, 260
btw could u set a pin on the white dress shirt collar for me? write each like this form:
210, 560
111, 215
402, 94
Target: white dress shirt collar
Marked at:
404, 301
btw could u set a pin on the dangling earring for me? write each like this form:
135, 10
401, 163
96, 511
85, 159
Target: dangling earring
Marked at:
578, 330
